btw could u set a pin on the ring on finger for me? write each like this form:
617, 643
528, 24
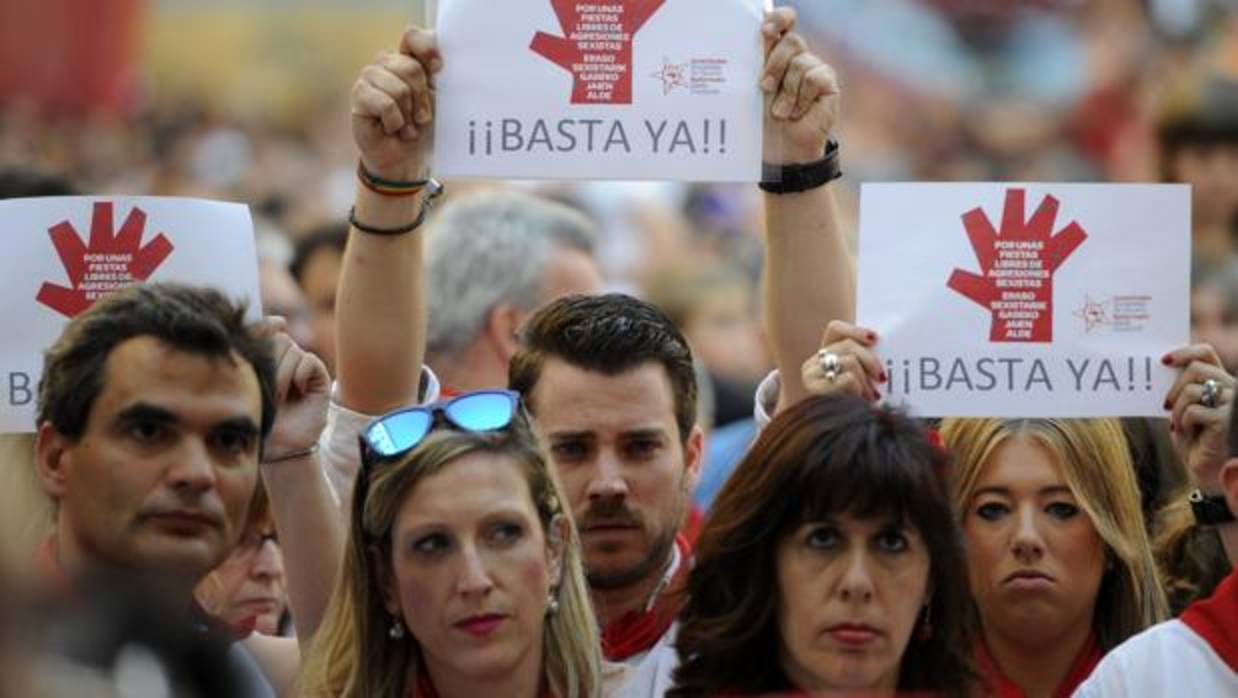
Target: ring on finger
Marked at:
1211, 396
831, 364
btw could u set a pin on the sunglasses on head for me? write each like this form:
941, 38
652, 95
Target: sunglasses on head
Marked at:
396, 433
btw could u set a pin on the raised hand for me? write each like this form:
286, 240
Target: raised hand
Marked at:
854, 366
392, 106
801, 94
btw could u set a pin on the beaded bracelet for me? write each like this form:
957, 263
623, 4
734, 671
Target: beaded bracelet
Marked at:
300, 453
388, 187
433, 190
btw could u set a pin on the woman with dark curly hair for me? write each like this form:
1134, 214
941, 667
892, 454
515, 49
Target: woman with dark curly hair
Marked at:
831, 561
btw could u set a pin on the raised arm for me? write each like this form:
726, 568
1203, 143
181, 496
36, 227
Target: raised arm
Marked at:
1200, 427
380, 313
809, 276
310, 532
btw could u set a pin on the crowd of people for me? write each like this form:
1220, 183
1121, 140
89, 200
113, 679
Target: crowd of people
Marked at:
456, 461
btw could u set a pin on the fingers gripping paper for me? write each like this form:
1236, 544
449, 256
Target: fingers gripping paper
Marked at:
602, 89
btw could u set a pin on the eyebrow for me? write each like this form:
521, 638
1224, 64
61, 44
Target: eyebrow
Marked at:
1005, 491
645, 433
146, 412
243, 425
569, 435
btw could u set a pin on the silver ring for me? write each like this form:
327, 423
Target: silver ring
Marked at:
830, 364
1212, 393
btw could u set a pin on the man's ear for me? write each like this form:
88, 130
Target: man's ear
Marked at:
502, 322
693, 458
386, 580
53, 460
556, 546
1229, 483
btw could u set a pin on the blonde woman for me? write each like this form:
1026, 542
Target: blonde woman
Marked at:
462, 574
1061, 568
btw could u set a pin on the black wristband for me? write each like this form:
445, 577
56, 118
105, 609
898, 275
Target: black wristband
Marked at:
789, 179
432, 188
1209, 511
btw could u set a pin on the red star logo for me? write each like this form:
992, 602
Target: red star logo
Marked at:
1092, 313
672, 75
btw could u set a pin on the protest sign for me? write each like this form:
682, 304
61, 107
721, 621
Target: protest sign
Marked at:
62, 254
602, 89
1036, 300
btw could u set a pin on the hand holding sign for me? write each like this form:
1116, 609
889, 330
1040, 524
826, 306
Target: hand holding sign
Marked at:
1200, 432
802, 94
393, 107
859, 370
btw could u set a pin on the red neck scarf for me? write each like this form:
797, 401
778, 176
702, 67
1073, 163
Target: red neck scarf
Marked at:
1215, 619
637, 631
998, 686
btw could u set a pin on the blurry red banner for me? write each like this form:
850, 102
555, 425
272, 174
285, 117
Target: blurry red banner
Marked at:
70, 55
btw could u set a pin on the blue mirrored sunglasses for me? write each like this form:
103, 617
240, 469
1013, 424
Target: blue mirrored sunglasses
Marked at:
396, 433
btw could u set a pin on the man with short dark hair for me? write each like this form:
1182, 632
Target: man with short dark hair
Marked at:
610, 382
155, 407
152, 407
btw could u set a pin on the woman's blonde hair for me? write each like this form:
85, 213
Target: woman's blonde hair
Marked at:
351, 655
1097, 467
27, 513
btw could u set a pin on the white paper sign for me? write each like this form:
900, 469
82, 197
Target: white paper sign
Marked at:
1026, 300
62, 253
600, 89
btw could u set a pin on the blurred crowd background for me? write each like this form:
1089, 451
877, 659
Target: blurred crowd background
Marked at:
246, 100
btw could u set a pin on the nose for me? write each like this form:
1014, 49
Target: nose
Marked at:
474, 577
857, 581
607, 481
268, 562
1027, 544
193, 470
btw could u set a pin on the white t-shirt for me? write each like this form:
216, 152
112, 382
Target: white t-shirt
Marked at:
1166, 660
338, 448
649, 674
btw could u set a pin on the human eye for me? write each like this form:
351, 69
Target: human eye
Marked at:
641, 448
892, 540
431, 544
1062, 510
148, 432
569, 451
822, 537
506, 533
992, 511
234, 441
